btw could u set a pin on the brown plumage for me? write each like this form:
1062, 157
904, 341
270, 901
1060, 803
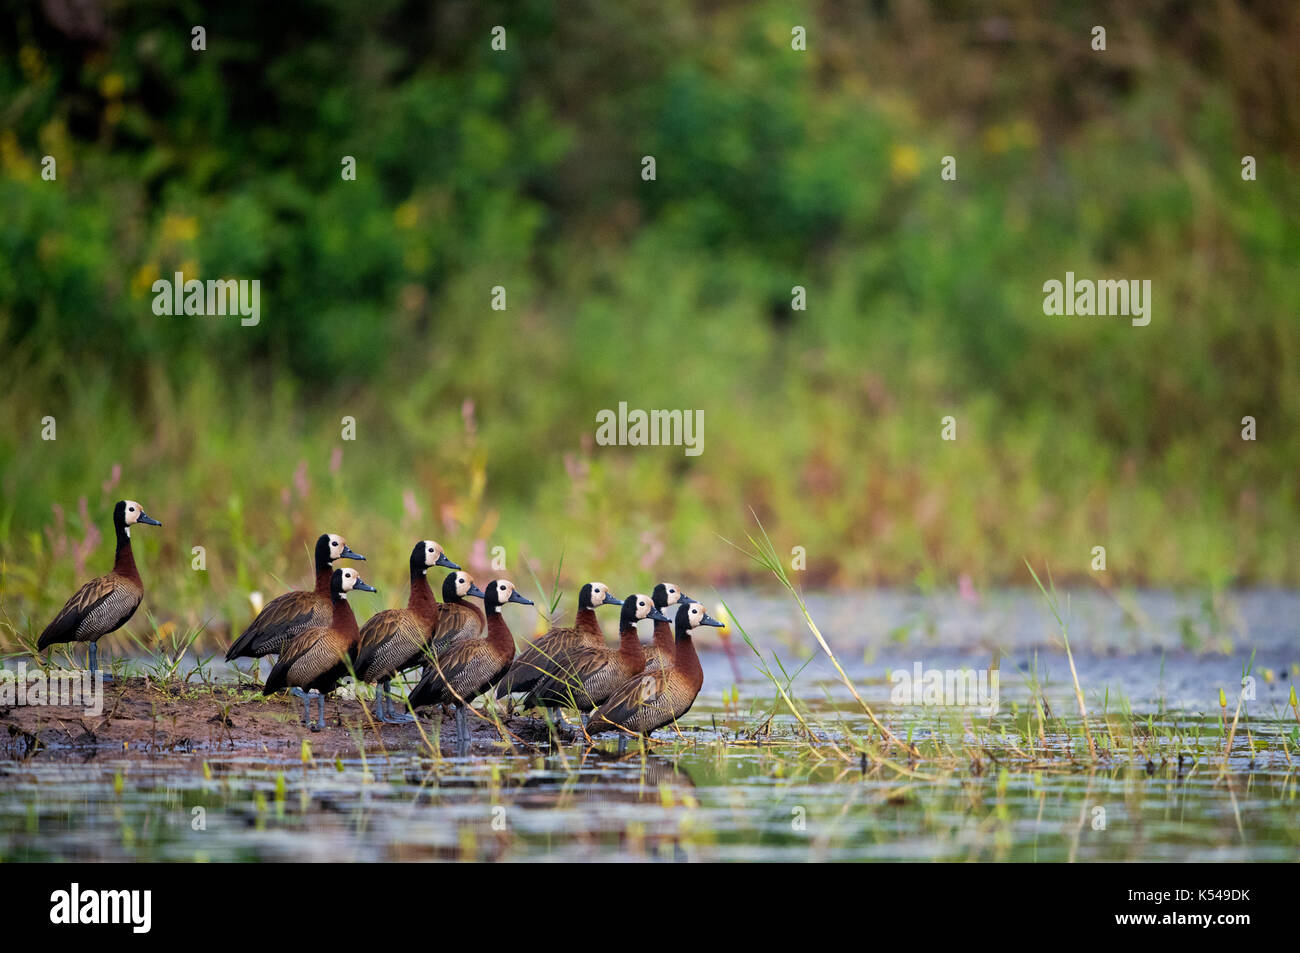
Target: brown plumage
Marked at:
660, 696
665, 594
458, 619
528, 667
107, 602
292, 613
315, 659
395, 639
583, 676
469, 667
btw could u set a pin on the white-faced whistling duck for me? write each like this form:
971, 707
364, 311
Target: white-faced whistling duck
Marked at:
527, 669
665, 594
470, 667
458, 619
394, 640
104, 604
312, 662
583, 676
657, 696
287, 615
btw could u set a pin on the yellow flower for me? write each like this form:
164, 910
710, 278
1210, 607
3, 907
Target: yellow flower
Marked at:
406, 215
12, 160
904, 163
179, 228
1024, 133
144, 279
32, 62
112, 85
996, 140
1018, 134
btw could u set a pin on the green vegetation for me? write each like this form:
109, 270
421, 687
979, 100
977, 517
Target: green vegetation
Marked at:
522, 169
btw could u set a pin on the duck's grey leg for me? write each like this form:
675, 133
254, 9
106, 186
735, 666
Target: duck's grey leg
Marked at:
320, 725
92, 657
462, 732
393, 716
306, 717
622, 743
380, 713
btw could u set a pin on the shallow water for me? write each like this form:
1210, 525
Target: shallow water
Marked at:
719, 793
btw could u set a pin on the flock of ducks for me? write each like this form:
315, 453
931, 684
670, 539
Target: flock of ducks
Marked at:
464, 651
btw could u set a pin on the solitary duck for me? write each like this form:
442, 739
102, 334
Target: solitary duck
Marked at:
583, 676
287, 615
665, 594
107, 602
658, 696
469, 667
527, 669
313, 661
394, 639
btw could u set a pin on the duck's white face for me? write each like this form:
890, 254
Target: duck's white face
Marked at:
337, 545
350, 579
463, 582
598, 592
674, 594
133, 511
432, 553
643, 605
694, 615
505, 589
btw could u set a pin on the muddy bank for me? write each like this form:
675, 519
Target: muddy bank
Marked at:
143, 716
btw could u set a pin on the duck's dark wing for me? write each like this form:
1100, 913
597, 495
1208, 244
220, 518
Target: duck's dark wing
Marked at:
640, 704
283, 617
97, 608
532, 663
458, 675
388, 640
583, 676
308, 656
456, 621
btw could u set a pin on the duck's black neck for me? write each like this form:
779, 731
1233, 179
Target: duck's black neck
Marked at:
124, 559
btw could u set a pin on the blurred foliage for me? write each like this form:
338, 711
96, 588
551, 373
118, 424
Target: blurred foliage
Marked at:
775, 168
